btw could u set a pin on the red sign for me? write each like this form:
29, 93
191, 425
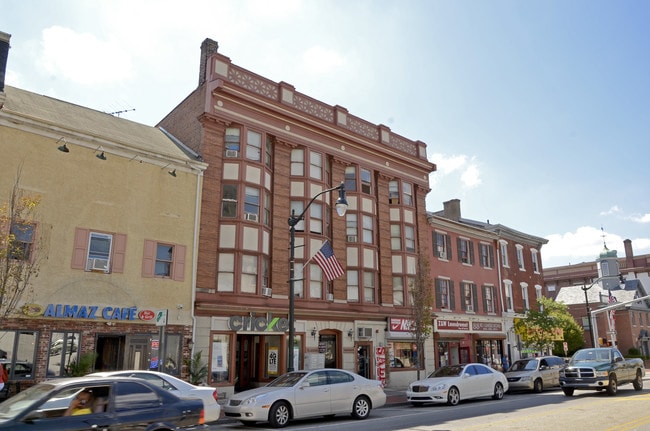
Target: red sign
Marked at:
146, 315
400, 325
453, 325
380, 360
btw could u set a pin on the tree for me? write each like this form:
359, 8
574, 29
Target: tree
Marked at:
421, 296
197, 369
549, 328
21, 251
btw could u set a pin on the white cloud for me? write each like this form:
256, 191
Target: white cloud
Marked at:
613, 210
82, 58
583, 245
645, 218
471, 176
319, 60
465, 168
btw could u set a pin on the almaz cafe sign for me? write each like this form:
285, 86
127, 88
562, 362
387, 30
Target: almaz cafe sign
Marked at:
89, 312
252, 323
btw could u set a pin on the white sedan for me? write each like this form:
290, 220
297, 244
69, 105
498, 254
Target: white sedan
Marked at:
177, 386
303, 394
452, 383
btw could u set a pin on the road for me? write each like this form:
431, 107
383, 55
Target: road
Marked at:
551, 410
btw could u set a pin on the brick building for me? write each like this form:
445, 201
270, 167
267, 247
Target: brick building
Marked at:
271, 150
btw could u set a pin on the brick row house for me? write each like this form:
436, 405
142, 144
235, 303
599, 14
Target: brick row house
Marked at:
111, 244
486, 275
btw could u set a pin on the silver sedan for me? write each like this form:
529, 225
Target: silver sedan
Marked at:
303, 394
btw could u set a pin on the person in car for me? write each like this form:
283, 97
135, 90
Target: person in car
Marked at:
81, 405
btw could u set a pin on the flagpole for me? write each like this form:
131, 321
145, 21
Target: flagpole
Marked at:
341, 208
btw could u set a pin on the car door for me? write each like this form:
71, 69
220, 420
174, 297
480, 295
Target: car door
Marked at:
344, 391
485, 380
469, 383
136, 406
313, 397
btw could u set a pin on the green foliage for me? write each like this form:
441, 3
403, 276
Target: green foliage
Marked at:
539, 329
197, 369
421, 297
83, 366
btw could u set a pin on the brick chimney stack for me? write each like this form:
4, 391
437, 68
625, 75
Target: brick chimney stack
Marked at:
452, 209
629, 254
4, 54
208, 48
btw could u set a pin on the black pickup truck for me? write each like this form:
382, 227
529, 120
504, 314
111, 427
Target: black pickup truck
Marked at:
600, 369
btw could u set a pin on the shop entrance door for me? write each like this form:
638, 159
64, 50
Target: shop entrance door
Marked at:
246, 360
110, 353
364, 360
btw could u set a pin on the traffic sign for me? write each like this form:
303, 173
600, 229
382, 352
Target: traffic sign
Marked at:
161, 317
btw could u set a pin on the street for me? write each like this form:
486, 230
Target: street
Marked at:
551, 410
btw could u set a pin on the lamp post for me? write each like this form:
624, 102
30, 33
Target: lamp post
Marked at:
592, 336
341, 208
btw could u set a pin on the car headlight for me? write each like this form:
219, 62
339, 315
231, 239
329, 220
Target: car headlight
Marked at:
525, 379
438, 387
252, 400
601, 373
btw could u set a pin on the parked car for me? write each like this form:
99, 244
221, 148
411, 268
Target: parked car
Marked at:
19, 369
303, 394
535, 374
452, 383
116, 403
176, 386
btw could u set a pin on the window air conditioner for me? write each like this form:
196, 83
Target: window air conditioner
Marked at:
364, 332
267, 291
232, 153
250, 217
351, 238
98, 265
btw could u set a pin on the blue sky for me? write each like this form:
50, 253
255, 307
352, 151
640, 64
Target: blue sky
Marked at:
536, 112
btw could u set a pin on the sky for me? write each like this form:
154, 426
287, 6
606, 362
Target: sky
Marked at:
536, 112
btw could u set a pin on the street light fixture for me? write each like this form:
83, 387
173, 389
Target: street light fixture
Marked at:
341, 208
592, 337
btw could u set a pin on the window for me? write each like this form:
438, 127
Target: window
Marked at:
64, 349
268, 156
297, 208
172, 363
254, 146
315, 282
403, 354
99, 251
407, 191
409, 238
226, 274
524, 296
229, 201
465, 251
249, 274
20, 347
393, 192
488, 299
265, 271
366, 184
398, 291
395, 237
315, 165
316, 218
353, 285
367, 230
163, 260
21, 242
298, 285
508, 288
534, 257
469, 296
220, 359
487, 255
520, 256
442, 246
351, 179
504, 253
351, 227
252, 204
298, 162
369, 287
444, 294
232, 142
267, 208
135, 395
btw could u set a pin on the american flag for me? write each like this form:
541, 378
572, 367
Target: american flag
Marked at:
611, 300
327, 261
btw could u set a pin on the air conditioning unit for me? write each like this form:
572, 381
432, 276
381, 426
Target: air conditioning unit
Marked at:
232, 153
364, 332
330, 297
442, 255
267, 291
351, 238
98, 265
250, 217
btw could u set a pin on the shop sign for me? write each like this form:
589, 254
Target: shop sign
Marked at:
398, 324
252, 323
75, 311
453, 325
487, 326
380, 360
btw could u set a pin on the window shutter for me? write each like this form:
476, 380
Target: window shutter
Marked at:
149, 258
452, 297
438, 294
458, 247
470, 252
80, 248
491, 256
119, 253
448, 241
178, 265
475, 295
485, 289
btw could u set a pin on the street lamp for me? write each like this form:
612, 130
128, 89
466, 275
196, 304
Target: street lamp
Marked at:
592, 337
341, 208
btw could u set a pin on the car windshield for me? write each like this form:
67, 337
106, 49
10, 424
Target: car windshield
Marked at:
23, 399
592, 355
447, 371
288, 380
524, 365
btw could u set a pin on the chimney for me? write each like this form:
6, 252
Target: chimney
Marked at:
452, 209
208, 48
629, 254
4, 54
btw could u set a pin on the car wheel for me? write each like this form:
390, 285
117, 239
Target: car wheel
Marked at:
538, 386
279, 414
453, 396
612, 387
568, 391
498, 392
361, 408
638, 381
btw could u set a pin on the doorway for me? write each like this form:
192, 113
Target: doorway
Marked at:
364, 360
110, 353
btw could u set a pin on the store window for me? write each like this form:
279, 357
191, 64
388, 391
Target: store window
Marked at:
220, 359
19, 348
63, 350
403, 354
